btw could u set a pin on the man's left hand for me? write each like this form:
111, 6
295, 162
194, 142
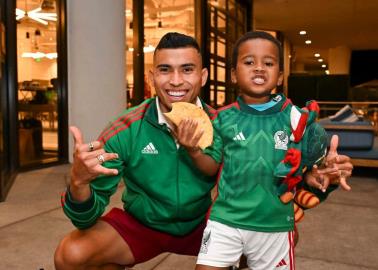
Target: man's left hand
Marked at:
337, 170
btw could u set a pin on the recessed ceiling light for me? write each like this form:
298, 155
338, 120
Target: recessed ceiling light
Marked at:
327, 71
320, 60
317, 54
302, 32
324, 66
308, 41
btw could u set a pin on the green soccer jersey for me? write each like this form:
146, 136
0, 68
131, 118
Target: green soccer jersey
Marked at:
250, 144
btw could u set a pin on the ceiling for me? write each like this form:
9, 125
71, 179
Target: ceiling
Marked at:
329, 24
46, 41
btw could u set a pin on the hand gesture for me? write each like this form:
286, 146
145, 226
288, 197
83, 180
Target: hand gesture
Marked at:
337, 170
88, 159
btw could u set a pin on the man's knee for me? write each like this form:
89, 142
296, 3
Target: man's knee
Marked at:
71, 254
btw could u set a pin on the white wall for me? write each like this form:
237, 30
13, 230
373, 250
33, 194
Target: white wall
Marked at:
96, 64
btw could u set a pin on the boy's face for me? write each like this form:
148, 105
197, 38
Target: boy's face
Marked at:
177, 75
257, 69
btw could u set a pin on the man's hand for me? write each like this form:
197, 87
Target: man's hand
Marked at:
337, 170
87, 160
186, 135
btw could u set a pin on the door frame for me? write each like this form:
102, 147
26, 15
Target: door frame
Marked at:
10, 98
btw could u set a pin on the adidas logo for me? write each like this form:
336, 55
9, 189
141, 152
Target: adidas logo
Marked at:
149, 149
281, 263
239, 137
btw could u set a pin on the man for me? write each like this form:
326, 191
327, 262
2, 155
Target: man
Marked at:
166, 197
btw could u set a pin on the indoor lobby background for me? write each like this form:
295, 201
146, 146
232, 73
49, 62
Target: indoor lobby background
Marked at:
82, 62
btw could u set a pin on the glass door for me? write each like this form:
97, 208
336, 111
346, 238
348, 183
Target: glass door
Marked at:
37, 81
228, 20
158, 18
161, 17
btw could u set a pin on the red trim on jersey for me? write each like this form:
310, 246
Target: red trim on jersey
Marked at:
63, 198
287, 102
216, 195
127, 123
291, 250
234, 104
121, 119
213, 112
123, 122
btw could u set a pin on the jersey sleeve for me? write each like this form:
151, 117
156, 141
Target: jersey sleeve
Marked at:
216, 149
85, 214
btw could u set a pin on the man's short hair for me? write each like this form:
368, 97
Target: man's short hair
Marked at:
174, 40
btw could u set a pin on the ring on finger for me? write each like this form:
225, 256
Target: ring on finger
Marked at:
101, 158
91, 147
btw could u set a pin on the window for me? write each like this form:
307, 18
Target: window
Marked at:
37, 81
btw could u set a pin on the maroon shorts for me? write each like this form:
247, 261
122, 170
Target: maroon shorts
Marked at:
146, 243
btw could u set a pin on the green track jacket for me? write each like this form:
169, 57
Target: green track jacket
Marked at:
164, 190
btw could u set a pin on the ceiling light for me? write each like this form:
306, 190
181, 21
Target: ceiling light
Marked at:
128, 13
320, 60
38, 55
308, 41
324, 66
35, 15
327, 71
51, 55
317, 54
302, 32
147, 49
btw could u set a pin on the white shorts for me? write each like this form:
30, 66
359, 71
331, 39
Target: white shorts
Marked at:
223, 245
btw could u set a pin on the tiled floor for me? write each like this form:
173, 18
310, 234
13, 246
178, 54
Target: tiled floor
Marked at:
340, 234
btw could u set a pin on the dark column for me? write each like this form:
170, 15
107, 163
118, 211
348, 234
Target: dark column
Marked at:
138, 54
202, 26
62, 81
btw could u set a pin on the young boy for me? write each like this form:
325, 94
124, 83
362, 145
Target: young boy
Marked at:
251, 139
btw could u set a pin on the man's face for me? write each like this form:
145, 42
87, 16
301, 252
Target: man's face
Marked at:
177, 75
